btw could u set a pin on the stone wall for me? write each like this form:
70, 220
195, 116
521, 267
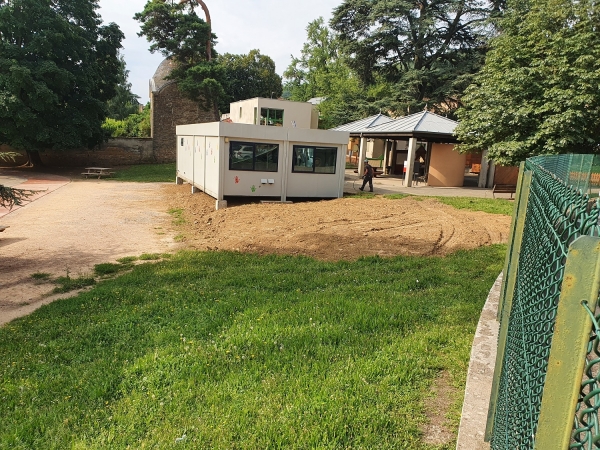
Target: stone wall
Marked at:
115, 152
169, 109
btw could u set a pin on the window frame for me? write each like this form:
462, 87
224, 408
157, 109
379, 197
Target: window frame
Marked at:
254, 145
267, 116
313, 147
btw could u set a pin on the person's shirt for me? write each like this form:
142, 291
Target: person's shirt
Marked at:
368, 170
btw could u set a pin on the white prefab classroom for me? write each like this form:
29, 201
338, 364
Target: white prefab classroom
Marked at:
234, 159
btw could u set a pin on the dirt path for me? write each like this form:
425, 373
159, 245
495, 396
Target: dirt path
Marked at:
81, 224
344, 228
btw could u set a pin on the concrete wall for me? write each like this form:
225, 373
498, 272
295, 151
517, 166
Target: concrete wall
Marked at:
446, 166
115, 152
375, 148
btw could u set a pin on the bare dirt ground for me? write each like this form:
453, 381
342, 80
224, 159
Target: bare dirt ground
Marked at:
346, 228
71, 229
87, 222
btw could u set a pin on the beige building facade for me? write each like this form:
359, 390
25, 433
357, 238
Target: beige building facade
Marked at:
274, 112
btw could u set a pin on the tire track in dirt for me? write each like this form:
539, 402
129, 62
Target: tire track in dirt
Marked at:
346, 228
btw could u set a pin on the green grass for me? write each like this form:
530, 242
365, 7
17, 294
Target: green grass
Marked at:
150, 256
177, 214
396, 196
40, 276
492, 206
488, 205
127, 259
67, 284
242, 351
105, 269
147, 173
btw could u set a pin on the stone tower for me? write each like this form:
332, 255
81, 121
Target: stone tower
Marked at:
170, 108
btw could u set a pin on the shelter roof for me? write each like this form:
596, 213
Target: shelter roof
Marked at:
367, 124
422, 123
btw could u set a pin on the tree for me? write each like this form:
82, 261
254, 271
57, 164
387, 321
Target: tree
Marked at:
125, 102
58, 67
538, 90
249, 76
134, 125
10, 197
321, 71
424, 51
176, 31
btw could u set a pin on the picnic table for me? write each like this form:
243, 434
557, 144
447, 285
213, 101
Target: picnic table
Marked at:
97, 172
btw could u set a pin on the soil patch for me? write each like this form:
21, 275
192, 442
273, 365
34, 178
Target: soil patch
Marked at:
437, 429
345, 228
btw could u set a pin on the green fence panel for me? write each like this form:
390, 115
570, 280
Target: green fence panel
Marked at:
558, 212
570, 342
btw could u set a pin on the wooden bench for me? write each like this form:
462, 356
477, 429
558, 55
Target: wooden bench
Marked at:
504, 189
97, 172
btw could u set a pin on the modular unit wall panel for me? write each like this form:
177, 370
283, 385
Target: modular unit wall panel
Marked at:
212, 172
199, 159
185, 158
254, 183
325, 185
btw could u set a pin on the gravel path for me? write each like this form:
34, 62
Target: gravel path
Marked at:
69, 230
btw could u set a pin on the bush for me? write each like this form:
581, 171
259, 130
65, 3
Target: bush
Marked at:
135, 125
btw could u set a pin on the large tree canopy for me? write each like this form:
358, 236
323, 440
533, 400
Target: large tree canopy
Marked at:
58, 67
249, 76
176, 31
425, 51
125, 102
321, 71
538, 92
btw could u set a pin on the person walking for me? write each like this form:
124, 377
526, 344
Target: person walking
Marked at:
367, 176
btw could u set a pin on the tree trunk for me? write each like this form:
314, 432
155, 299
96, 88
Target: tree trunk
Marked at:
34, 159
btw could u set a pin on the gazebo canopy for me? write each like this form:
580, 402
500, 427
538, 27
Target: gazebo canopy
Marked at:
422, 125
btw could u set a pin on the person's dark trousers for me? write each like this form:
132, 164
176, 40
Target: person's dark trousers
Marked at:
367, 179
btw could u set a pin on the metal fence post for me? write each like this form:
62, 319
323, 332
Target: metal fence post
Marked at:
505, 308
510, 260
567, 358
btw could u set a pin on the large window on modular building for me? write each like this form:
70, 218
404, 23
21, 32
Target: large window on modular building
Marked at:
309, 159
273, 117
253, 156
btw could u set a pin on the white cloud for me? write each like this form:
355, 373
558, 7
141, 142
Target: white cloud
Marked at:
276, 27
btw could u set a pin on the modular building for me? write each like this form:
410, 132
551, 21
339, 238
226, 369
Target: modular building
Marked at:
237, 159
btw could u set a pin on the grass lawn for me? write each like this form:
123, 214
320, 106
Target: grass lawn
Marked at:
146, 173
492, 206
223, 350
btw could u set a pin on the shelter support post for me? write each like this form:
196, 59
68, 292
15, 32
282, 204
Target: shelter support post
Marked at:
362, 154
410, 162
483, 173
387, 154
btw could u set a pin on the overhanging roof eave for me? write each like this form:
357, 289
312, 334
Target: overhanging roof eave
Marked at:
418, 135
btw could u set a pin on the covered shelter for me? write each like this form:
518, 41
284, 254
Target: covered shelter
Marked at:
418, 147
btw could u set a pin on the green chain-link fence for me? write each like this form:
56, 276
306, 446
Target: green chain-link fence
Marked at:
543, 270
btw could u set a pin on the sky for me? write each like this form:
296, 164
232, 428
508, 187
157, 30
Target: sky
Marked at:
276, 27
